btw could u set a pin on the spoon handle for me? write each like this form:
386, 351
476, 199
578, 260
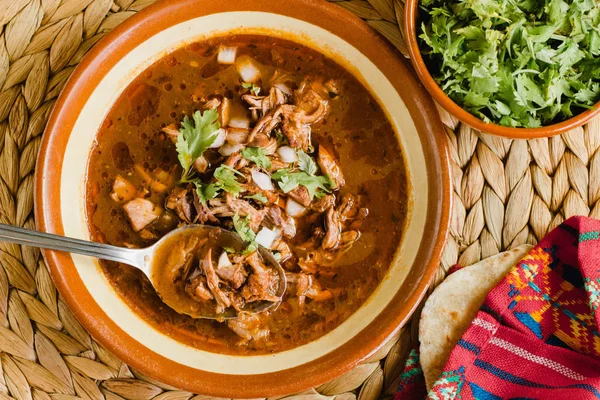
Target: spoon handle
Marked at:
13, 234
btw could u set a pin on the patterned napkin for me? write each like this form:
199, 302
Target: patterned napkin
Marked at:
536, 335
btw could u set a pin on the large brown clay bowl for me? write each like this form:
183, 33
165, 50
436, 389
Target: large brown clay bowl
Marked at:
110, 67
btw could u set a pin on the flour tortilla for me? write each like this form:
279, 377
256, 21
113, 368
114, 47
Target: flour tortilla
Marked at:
450, 309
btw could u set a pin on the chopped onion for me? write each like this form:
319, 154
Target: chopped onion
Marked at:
287, 154
226, 55
228, 149
247, 69
220, 140
265, 237
238, 122
262, 180
293, 208
224, 260
284, 88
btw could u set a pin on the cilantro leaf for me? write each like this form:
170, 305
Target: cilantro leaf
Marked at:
586, 95
280, 173
594, 40
257, 156
206, 191
569, 55
528, 93
317, 185
258, 197
195, 136
287, 183
306, 163
242, 227
251, 248
252, 87
226, 179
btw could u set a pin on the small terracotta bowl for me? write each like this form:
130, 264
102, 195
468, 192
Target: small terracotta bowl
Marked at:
94, 87
411, 22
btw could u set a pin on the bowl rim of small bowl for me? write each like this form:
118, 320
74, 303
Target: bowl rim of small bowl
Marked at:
411, 14
47, 197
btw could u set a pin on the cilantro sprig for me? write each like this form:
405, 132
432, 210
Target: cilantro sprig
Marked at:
306, 163
523, 63
242, 227
288, 180
225, 179
206, 191
257, 156
195, 136
317, 186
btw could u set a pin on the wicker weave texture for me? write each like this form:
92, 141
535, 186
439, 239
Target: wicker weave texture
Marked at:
505, 193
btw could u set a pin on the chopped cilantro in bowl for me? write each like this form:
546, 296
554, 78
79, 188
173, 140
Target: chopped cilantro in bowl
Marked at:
521, 63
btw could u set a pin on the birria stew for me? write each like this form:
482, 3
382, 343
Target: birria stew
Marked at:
266, 138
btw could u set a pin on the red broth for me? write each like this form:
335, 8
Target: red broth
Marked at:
131, 142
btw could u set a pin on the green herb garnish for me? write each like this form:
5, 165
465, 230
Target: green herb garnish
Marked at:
225, 179
257, 156
252, 87
280, 173
206, 191
195, 136
258, 197
242, 227
523, 63
251, 248
306, 163
317, 185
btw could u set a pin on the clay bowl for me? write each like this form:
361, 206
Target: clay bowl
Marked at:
411, 22
124, 53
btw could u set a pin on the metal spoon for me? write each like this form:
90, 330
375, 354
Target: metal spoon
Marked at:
142, 259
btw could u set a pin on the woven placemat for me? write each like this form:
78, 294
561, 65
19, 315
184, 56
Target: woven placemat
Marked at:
506, 192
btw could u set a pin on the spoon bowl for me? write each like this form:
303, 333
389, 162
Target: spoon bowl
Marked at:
147, 261
222, 238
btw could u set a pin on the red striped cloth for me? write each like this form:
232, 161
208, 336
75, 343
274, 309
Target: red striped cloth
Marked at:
537, 334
